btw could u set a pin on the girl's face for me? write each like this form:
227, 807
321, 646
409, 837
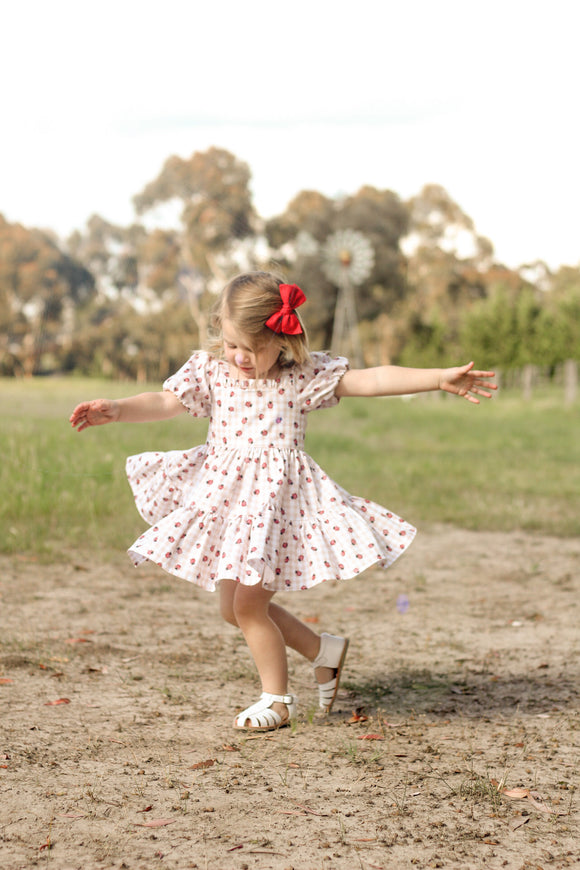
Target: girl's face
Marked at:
244, 362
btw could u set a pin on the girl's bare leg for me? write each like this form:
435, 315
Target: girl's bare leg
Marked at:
296, 634
249, 606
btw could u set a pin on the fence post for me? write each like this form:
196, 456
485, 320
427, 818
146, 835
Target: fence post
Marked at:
528, 379
570, 381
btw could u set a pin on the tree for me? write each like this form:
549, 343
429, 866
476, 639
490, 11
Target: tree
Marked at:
110, 253
446, 270
216, 205
505, 329
446, 257
560, 319
298, 236
41, 288
125, 344
212, 189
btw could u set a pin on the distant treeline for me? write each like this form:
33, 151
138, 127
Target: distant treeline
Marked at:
132, 302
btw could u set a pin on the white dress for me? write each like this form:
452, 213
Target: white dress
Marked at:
250, 505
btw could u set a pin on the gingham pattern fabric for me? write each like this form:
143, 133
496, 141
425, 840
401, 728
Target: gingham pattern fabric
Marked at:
250, 505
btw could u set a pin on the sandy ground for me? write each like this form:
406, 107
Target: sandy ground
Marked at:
118, 690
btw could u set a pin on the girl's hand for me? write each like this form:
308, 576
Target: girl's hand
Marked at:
95, 413
463, 381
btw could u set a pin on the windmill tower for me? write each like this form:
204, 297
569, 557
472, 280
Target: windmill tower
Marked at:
347, 261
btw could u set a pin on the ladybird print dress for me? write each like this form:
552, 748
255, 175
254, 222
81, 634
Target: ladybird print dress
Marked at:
250, 505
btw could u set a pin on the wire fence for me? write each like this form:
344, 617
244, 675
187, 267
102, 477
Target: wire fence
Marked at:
531, 380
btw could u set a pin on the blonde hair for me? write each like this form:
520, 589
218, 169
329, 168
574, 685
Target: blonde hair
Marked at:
248, 301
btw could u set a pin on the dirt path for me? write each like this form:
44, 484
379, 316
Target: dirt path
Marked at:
118, 689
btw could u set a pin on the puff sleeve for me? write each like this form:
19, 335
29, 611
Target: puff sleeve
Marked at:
192, 384
319, 379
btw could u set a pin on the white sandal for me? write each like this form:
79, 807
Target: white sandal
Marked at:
262, 718
332, 655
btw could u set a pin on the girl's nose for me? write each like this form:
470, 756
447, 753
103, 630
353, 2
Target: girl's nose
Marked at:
240, 359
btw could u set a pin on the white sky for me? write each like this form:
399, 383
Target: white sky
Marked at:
480, 97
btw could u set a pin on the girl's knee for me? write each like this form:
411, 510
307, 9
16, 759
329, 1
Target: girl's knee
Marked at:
227, 596
228, 615
250, 602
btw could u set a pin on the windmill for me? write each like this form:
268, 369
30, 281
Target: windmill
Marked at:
347, 261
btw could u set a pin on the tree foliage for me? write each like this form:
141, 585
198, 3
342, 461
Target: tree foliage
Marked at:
297, 238
212, 188
132, 302
41, 290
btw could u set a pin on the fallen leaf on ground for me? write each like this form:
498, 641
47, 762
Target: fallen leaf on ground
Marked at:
517, 794
522, 794
57, 702
370, 737
357, 717
77, 640
146, 809
5, 680
199, 764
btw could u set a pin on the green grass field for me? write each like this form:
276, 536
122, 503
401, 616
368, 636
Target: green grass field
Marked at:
504, 465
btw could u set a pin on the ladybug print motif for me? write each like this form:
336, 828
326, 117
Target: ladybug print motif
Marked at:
250, 505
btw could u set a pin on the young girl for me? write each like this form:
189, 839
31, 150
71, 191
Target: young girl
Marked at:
250, 512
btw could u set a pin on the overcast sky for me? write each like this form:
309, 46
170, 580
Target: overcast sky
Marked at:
480, 97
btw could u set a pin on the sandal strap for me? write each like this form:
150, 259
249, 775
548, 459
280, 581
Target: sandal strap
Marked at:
261, 716
331, 655
280, 699
327, 692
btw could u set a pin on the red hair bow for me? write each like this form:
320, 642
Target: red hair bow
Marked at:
285, 320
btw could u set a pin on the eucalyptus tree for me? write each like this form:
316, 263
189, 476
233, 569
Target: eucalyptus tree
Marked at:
41, 287
216, 215
298, 235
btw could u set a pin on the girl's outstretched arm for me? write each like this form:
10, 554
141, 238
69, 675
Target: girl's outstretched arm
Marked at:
398, 381
135, 409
